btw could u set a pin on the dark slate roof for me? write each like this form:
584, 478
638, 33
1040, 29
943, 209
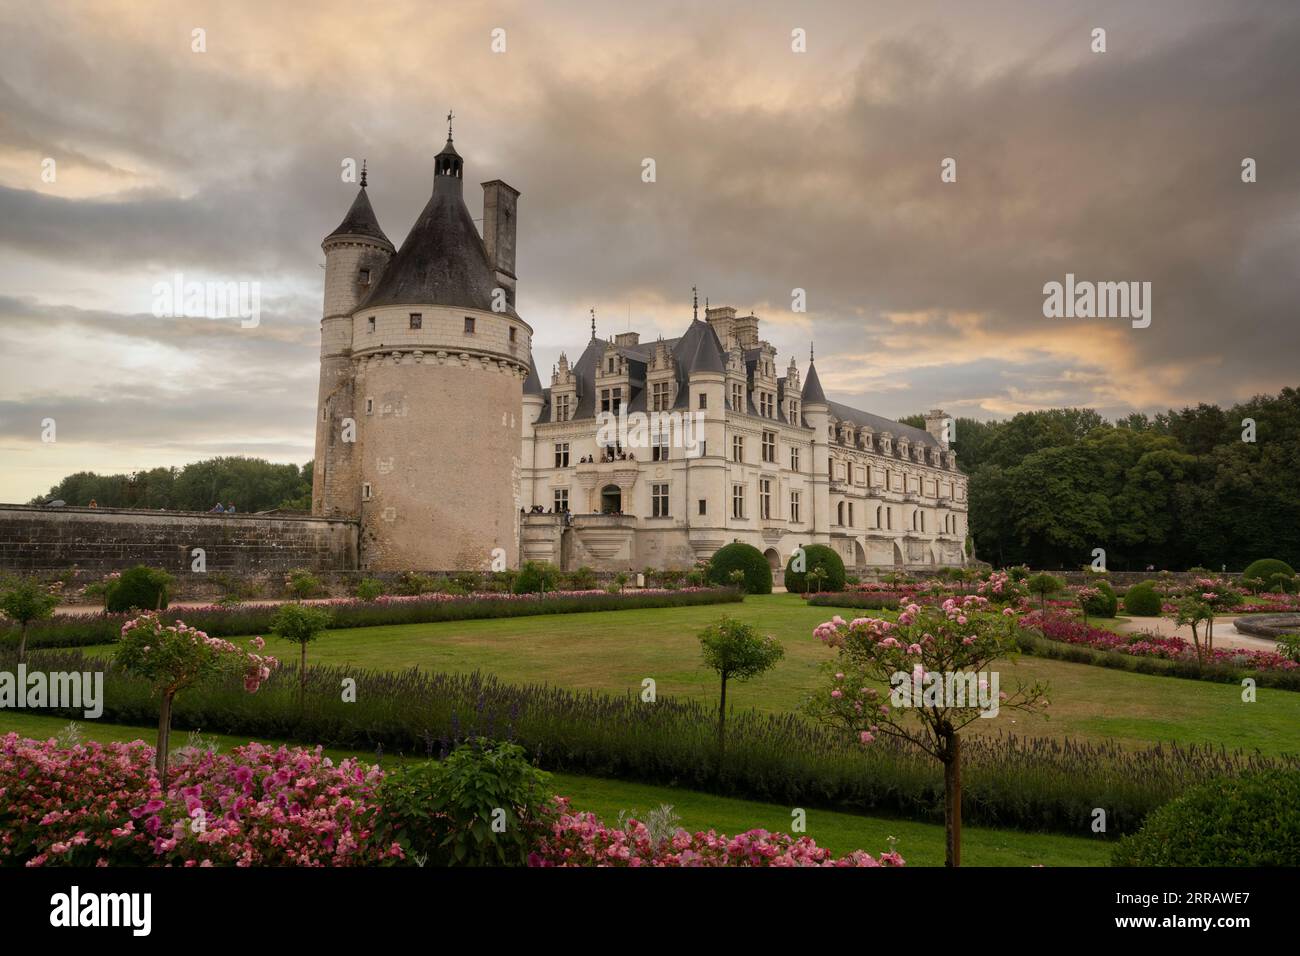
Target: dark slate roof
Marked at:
812, 387
533, 383
878, 424
442, 261
360, 220
699, 349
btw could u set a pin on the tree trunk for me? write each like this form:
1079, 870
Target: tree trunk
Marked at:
952, 800
22, 645
722, 722
164, 739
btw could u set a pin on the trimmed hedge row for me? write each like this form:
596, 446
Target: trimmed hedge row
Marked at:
81, 630
1025, 783
865, 600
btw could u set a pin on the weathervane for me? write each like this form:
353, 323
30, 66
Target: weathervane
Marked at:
695, 303
363, 174
593, 321
450, 116
810, 353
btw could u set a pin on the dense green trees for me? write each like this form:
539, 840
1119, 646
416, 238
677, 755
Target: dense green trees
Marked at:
1176, 490
251, 484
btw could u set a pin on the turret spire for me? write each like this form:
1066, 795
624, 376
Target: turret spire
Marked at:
593, 321
695, 304
363, 174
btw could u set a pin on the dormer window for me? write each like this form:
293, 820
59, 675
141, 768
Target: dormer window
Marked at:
417, 320
469, 325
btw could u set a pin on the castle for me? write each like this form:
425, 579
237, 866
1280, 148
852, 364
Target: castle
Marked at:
435, 433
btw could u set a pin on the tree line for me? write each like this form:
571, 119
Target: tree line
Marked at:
250, 484
1204, 486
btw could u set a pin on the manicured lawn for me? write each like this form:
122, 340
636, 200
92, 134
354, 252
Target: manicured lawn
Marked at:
921, 844
614, 651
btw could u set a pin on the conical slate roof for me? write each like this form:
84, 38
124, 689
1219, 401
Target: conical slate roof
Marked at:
533, 383
360, 220
812, 387
699, 350
442, 260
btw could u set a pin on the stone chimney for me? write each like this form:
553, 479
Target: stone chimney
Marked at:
500, 204
627, 339
940, 425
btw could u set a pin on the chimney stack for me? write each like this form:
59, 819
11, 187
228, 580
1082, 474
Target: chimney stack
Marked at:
500, 205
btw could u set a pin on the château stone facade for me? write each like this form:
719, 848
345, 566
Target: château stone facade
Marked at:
435, 432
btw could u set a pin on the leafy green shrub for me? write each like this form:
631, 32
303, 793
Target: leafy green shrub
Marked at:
1282, 583
1141, 600
583, 579
368, 589
1251, 820
413, 583
484, 805
1104, 603
815, 557
537, 576
301, 624
301, 583
1018, 572
25, 600
756, 575
469, 580
671, 578
1265, 568
140, 588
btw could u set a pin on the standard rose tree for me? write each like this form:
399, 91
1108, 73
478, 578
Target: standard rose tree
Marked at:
26, 600
936, 660
737, 652
301, 624
175, 656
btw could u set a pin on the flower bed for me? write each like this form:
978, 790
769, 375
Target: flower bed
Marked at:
79, 630
1057, 627
581, 839
98, 805
261, 806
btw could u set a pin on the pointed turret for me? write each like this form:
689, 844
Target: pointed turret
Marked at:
812, 388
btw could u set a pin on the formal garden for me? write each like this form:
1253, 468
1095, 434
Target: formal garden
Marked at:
690, 718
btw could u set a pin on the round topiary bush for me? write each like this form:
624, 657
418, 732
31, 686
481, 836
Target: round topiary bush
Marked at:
744, 558
1251, 820
1263, 569
1142, 601
1104, 604
140, 588
815, 556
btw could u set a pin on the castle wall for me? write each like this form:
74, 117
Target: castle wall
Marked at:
110, 539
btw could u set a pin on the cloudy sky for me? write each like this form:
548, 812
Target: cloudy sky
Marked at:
776, 170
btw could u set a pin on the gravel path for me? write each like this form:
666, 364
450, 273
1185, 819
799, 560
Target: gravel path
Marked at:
1225, 635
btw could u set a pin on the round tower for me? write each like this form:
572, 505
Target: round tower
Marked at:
356, 254
441, 359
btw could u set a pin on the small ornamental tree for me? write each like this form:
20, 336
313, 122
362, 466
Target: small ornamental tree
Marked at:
736, 651
1044, 585
175, 656
936, 661
1193, 613
1218, 595
24, 600
301, 624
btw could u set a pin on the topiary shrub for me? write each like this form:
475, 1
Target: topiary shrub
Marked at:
140, 588
1251, 820
1265, 568
747, 559
815, 556
537, 576
1141, 600
1104, 603
1282, 584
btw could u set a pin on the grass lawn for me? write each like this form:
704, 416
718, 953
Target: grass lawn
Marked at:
920, 843
613, 651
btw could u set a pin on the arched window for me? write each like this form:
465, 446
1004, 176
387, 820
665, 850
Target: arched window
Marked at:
839, 513
878, 509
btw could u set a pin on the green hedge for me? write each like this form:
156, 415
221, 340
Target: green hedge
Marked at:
744, 558
1251, 820
81, 630
815, 556
1265, 568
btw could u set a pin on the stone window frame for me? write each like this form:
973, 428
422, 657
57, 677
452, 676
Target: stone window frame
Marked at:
660, 500
367, 493
769, 446
794, 506
561, 454
738, 501
416, 321
470, 325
